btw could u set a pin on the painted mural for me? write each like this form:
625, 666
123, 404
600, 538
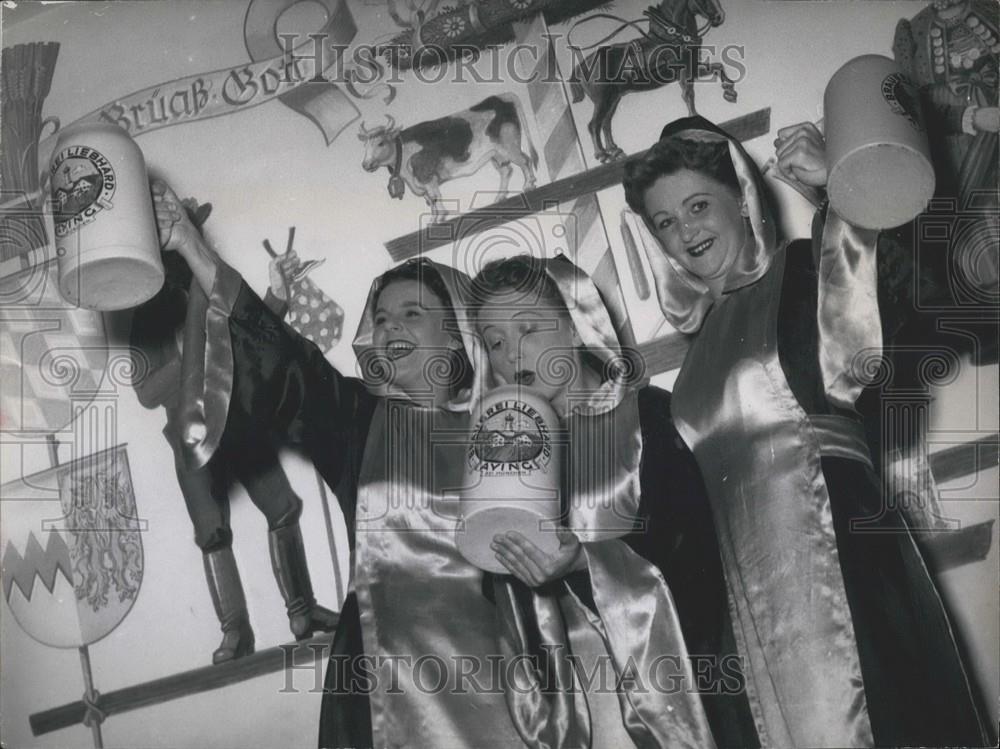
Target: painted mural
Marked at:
310, 164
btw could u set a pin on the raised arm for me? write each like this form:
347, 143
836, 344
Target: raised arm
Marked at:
179, 234
253, 361
848, 314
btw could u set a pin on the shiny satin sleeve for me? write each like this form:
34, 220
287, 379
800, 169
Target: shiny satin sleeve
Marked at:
207, 366
623, 600
636, 617
256, 363
850, 329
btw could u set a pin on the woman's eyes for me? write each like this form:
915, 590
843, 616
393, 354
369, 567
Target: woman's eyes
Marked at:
694, 209
493, 344
383, 319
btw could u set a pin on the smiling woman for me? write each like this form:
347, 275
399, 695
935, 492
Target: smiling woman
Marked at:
376, 442
700, 221
844, 637
414, 332
689, 196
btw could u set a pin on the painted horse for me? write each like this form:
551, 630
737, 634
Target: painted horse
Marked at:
668, 52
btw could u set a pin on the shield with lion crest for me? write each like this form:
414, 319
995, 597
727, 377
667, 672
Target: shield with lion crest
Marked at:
72, 549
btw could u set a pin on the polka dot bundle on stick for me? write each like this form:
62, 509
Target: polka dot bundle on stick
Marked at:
311, 313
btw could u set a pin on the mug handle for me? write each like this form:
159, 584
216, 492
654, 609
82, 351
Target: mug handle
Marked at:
54, 121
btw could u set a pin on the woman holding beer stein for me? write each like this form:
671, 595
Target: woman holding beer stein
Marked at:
638, 533
844, 638
545, 328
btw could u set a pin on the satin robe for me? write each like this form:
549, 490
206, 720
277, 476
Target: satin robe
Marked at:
422, 612
846, 639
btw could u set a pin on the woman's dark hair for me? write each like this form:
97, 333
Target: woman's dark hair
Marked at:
521, 274
669, 156
426, 275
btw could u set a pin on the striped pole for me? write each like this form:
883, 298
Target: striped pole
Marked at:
562, 154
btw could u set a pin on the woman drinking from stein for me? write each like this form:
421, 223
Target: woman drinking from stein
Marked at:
534, 315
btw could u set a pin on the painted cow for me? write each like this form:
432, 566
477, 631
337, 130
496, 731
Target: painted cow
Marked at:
425, 155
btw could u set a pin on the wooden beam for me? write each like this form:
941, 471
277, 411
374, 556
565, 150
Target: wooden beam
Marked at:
545, 197
664, 354
945, 550
966, 459
187, 683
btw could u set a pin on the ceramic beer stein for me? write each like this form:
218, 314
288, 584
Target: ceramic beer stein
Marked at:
877, 155
106, 240
512, 475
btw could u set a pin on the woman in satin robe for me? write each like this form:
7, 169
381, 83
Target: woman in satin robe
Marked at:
844, 637
421, 657
390, 446
534, 317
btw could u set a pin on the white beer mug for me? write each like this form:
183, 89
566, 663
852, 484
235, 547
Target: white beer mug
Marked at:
106, 240
878, 159
512, 475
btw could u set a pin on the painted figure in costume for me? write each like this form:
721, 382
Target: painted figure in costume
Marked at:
170, 331
531, 314
950, 50
845, 639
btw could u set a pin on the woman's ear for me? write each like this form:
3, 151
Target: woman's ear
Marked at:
455, 344
744, 211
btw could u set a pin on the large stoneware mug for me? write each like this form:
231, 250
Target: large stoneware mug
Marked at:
512, 474
879, 165
106, 240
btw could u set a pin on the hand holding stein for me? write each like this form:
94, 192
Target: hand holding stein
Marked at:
510, 504
800, 154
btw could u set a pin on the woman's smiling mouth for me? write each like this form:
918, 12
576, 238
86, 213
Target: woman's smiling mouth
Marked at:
398, 349
701, 248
